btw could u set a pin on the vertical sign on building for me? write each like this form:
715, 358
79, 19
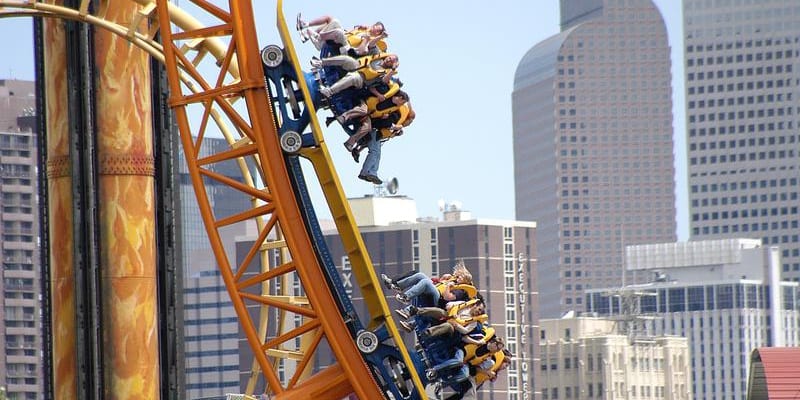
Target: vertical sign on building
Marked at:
522, 326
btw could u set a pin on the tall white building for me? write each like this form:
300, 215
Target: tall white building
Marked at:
588, 358
742, 98
725, 296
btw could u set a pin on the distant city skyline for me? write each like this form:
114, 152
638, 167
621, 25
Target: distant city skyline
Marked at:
476, 127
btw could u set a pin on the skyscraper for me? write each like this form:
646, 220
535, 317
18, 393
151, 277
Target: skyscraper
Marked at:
21, 366
593, 164
742, 85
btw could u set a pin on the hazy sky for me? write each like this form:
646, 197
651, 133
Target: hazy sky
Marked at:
458, 60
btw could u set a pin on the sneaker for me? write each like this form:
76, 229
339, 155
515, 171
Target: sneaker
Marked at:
407, 326
300, 23
370, 178
401, 297
329, 120
403, 313
389, 282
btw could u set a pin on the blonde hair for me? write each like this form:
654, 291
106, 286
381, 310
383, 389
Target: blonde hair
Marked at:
460, 269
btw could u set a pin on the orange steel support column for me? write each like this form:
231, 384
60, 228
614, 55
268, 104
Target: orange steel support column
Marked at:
250, 69
127, 217
59, 187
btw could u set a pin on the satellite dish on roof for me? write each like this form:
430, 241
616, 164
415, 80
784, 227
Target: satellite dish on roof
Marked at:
392, 186
389, 186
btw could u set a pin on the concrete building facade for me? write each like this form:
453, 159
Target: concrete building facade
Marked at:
593, 162
499, 254
588, 358
22, 364
724, 296
742, 89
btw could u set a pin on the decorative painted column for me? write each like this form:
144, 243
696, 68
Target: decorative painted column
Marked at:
59, 186
127, 211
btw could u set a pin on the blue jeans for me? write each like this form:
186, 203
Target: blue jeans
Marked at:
419, 284
373, 160
464, 370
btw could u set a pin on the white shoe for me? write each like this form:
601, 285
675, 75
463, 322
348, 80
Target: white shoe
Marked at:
401, 297
408, 326
403, 313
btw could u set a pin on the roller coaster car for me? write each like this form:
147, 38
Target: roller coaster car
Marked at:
287, 96
344, 100
284, 90
438, 354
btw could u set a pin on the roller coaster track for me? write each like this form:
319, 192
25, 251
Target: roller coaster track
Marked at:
215, 74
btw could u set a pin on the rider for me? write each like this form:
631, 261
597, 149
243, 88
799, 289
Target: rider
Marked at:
502, 360
366, 112
359, 41
383, 130
366, 71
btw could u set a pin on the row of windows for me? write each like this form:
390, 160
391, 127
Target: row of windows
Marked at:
716, 215
743, 100
724, 144
763, 183
739, 44
751, 156
232, 386
217, 337
697, 298
762, 127
741, 86
211, 321
568, 300
742, 57
212, 353
212, 369
754, 227
764, 198
739, 72
552, 393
